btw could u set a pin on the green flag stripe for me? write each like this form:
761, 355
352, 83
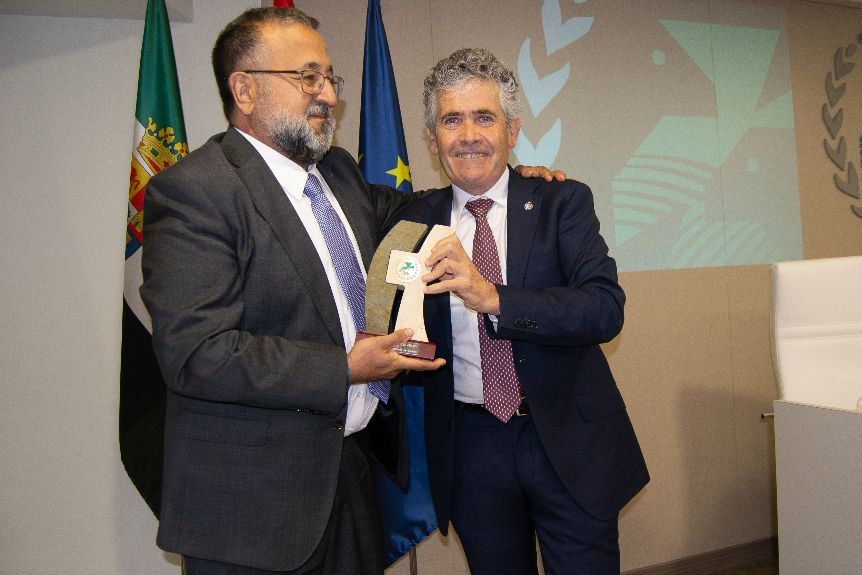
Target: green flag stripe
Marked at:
158, 87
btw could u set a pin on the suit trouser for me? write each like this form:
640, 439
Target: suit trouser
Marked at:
352, 543
505, 493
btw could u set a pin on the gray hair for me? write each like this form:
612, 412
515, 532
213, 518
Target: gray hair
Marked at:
466, 65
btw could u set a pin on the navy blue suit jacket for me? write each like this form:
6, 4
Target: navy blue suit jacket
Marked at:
561, 300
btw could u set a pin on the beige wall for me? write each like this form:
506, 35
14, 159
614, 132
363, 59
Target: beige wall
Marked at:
693, 360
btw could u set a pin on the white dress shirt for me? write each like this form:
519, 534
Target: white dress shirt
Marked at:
292, 177
466, 362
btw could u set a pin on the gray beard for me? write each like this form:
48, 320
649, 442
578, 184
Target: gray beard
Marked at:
296, 138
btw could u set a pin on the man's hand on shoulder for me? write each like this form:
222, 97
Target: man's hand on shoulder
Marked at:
547, 174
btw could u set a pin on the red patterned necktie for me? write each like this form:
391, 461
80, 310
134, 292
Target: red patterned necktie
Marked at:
346, 265
500, 384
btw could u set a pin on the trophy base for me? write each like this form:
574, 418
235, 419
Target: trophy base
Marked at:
410, 348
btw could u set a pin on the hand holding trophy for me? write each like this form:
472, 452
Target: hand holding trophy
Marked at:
396, 266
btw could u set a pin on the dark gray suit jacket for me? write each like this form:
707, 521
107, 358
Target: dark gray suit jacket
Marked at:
248, 338
561, 300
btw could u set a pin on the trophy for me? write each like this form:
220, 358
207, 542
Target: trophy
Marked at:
395, 266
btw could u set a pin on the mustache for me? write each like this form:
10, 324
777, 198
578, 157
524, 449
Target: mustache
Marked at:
318, 109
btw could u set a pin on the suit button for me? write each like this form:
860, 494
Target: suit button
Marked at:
335, 424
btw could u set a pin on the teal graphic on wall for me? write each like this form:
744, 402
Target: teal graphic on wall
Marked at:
713, 188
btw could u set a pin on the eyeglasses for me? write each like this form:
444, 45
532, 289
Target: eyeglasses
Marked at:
311, 81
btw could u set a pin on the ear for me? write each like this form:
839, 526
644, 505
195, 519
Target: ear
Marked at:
514, 130
432, 140
244, 89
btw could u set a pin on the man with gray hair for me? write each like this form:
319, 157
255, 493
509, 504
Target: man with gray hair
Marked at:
526, 430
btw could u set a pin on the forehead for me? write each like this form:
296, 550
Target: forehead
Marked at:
470, 97
294, 46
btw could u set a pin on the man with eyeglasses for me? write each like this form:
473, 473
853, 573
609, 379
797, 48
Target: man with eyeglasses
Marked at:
254, 277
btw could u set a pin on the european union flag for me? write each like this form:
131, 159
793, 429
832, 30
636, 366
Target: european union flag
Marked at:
408, 517
382, 152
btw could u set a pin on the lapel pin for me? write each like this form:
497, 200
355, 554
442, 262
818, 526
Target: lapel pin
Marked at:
528, 206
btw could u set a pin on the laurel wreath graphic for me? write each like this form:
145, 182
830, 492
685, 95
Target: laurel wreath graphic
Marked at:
541, 91
846, 178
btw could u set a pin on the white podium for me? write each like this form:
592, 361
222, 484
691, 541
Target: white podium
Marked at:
818, 454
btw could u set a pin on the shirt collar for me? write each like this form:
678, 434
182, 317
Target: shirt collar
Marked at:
289, 174
499, 193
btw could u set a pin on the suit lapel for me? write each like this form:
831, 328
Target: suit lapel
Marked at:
522, 219
274, 207
344, 189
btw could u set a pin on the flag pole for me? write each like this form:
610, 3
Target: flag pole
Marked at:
414, 568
